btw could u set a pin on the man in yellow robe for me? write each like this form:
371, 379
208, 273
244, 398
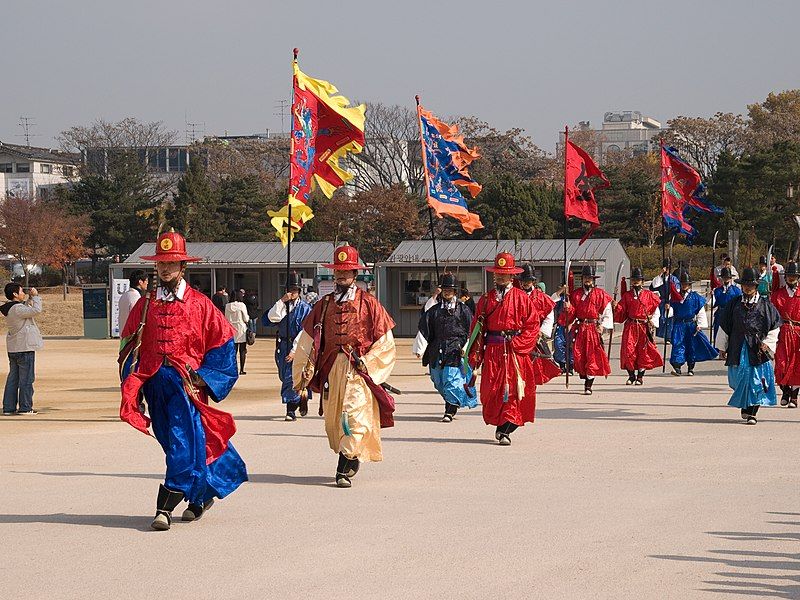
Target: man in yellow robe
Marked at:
347, 349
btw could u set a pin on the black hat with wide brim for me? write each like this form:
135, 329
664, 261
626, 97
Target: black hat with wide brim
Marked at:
588, 271
748, 277
791, 269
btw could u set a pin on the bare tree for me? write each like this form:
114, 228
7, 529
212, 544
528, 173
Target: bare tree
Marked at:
265, 159
391, 155
701, 141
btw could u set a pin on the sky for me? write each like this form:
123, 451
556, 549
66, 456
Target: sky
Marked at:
531, 64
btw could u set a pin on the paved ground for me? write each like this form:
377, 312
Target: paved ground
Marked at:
630, 493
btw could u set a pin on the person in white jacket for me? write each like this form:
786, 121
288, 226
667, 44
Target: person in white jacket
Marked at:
236, 313
22, 342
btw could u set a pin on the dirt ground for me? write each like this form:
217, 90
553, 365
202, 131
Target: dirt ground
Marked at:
59, 317
653, 492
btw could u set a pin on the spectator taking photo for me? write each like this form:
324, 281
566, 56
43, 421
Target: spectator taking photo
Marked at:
22, 342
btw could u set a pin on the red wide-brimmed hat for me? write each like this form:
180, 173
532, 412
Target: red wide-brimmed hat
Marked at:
171, 247
345, 258
504, 264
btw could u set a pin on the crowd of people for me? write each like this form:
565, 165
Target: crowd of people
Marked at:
183, 352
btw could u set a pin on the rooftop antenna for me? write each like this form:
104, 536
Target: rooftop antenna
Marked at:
193, 131
26, 123
281, 106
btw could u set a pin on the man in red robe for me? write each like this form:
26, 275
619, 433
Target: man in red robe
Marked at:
544, 367
347, 349
588, 312
177, 353
509, 324
638, 309
787, 355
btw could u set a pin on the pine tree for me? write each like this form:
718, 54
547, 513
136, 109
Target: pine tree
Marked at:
195, 207
243, 209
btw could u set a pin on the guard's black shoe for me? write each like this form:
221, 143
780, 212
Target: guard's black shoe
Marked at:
165, 503
195, 511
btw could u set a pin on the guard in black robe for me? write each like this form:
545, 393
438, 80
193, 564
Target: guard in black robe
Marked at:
748, 335
443, 332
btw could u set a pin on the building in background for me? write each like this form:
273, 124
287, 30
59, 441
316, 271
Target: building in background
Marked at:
32, 171
252, 266
625, 131
407, 278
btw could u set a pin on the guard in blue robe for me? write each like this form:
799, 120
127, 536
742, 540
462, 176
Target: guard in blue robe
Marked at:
177, 355
560, 338
289, 313
689, 344
443, 332
723, 295
658, 285
748, 336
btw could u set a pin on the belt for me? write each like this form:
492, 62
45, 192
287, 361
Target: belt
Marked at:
793, 323
500, 337
685, 320
505, 332
582, 321
638, 320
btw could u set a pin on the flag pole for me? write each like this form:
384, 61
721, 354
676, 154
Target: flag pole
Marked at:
295, 52
427, 188
566, 264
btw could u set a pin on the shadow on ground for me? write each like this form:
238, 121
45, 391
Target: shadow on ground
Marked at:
751, 570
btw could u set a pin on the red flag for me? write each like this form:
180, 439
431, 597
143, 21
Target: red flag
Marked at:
579, 200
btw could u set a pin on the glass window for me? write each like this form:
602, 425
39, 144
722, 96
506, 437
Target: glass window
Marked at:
6, 168
44, 168
23, 167
158, 160
416, 287
177, 159
67, 171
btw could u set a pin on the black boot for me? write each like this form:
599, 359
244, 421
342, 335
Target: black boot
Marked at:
690, 368
587, 386
291, 407
786, 396
793, 398
450, 411
631, 377
195, 511
676, 369
165, 504
345, 469
640, 377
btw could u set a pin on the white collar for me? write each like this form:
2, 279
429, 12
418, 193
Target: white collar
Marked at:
349, 295
755, 299
791, 291
168, 296
499, 294
448, 304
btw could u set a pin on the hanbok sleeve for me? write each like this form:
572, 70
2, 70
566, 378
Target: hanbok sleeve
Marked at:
219, 370
702, 318
380, 358
302, 352
607, 317
526, 341
420, 343
277, 312
547, 325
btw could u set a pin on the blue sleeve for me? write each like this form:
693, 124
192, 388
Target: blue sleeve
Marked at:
219, 370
